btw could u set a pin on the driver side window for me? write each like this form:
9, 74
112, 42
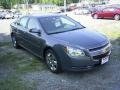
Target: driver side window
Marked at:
23, 21
33, 24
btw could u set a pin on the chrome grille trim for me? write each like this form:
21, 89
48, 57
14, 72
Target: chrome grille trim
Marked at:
100, 47
101, 51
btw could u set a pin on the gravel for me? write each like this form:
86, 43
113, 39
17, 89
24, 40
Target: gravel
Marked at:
106, 77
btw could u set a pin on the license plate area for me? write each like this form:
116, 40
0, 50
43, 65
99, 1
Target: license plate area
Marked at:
105, 60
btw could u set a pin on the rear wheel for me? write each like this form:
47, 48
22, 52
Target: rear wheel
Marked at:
117, 17
52, 61
95, 16
14, 41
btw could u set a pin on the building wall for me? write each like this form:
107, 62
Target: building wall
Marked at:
114, 1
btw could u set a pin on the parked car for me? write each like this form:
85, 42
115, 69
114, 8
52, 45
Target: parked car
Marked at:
61, 41
108, 12
114, 5
17, 14
92, 9
0, 15
8, 15
62, 10
82, 11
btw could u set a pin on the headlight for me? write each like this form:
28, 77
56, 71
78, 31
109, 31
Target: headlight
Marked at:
74, 52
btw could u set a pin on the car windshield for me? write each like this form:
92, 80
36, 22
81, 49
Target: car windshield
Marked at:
58, 24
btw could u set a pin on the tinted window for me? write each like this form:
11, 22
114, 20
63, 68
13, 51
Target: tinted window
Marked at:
109, 9
23, 21
33, 24
57, 24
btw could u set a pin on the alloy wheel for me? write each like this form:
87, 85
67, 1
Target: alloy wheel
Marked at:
51, 61
117, 17
95, 16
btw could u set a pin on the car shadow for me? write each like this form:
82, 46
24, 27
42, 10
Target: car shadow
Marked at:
109, 19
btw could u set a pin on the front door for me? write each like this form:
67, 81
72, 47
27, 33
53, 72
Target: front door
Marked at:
108, 12
34, 40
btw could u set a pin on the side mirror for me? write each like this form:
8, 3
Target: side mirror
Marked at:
34, 30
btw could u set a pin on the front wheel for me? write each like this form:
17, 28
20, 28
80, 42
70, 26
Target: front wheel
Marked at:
52, 61
15, 43
117, 17
95, 16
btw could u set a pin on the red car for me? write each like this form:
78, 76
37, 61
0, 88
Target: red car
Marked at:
108, 12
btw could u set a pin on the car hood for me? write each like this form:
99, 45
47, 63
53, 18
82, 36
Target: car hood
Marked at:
82, 38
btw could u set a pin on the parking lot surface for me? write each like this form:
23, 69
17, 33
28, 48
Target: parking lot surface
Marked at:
20, 70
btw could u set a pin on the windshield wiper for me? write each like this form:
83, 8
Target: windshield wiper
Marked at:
57, 32
77, 28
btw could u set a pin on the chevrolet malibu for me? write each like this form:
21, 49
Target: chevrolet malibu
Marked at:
61, 41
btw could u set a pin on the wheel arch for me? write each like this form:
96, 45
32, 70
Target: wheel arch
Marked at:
55, 53
117, 14
12, 34
47, 48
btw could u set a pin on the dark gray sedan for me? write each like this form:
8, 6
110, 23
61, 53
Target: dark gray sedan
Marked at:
61, 41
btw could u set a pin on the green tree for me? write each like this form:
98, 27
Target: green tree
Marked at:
6, 4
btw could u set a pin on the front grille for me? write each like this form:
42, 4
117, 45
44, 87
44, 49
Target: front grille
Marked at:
100, 51
101, 56
97, 48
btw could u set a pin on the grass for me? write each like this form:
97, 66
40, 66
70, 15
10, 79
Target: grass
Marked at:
4, 44
21, 60
34, 65
111, 32
17, 63
15, 83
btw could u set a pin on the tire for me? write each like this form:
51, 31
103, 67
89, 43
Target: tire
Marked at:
52, 61
117, 17
15, 43
95, 16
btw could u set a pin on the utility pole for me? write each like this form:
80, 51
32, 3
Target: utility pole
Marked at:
27, 6
11, 5
65, 5
79, 1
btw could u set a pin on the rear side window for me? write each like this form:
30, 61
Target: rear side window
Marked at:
23, 21
109, 9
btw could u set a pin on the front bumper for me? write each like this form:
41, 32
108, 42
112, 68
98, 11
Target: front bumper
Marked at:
87, 63
92, 59
84, 63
